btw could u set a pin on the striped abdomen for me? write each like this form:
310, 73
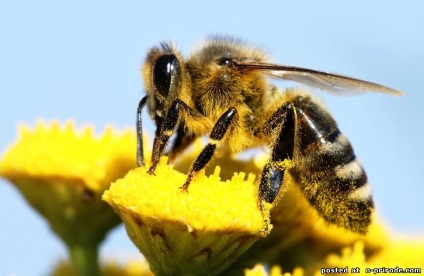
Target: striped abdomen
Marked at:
327, 170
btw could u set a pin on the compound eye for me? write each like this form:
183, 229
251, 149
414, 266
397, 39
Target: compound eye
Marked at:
225, 61
163, 70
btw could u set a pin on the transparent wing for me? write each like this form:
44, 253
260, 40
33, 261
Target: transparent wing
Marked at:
319, 79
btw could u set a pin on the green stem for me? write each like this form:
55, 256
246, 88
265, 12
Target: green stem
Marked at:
84, 259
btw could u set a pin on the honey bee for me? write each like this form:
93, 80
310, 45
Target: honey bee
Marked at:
223, 90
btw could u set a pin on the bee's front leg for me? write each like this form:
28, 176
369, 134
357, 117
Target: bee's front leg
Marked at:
167, 128
140, 152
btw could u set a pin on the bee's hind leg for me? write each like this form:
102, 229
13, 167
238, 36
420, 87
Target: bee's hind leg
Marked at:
282, 123
221, 127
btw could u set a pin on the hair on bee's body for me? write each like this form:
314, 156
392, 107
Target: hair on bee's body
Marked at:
222, 90
325, 166
216, 88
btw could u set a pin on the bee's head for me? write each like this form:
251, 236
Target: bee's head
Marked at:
163, 74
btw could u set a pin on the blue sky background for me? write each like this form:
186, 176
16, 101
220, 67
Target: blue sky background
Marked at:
81, 60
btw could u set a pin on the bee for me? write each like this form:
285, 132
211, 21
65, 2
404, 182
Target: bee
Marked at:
223, 90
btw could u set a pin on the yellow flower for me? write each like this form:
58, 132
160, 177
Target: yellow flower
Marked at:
301, 238
261, 270
216, 227
397, 256
401, 251
133, 267
52, 151
63, 173
202, 231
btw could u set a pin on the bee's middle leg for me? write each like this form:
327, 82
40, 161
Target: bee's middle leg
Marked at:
183, 139
221, 127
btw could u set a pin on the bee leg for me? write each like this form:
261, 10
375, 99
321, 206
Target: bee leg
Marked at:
140, 152
166, 129
218, 132
283, 120
181, 142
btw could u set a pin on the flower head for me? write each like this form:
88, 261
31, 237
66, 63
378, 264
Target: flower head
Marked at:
204, 229
62, 173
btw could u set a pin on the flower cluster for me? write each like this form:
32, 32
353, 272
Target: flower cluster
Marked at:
84, 185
